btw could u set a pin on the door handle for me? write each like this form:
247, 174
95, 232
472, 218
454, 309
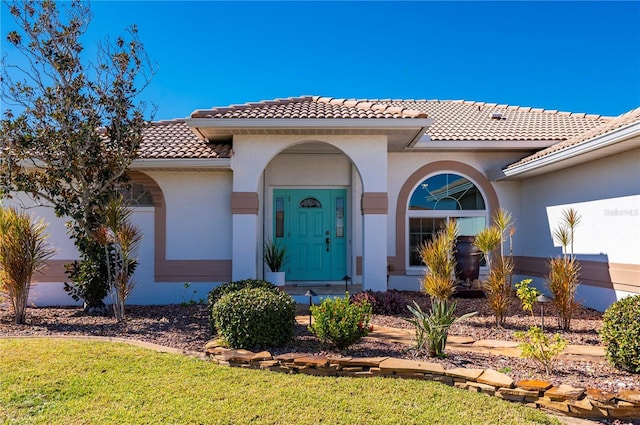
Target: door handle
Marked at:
328, 242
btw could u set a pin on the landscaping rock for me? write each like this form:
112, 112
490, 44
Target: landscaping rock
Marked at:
401, 365
630, 396
495, 378
315, 361
564, 392
600, 396
535, 385
359, 361
460, 372
263, 355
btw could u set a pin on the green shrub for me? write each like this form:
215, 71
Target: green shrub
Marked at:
621, 333
339, 323
255, 317
527, 295
541, 348
216, 293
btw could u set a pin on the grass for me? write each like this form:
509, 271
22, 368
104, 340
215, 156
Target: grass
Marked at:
48, 381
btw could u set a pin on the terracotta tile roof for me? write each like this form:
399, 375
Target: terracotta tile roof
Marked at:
623, 120
175, 140
453, 119
310, 107
469, 120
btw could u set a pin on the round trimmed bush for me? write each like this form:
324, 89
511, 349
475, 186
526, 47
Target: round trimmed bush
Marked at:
255, 317
216, 293
340, 323
621, 333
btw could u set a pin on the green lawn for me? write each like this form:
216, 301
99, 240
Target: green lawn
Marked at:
78, 382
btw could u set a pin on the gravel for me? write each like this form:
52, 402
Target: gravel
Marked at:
186, 327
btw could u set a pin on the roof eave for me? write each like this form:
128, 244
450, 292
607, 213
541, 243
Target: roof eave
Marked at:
292, 123
211, 164
426, 144
599, 146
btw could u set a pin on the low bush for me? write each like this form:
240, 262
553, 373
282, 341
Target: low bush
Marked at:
621, 332
389, 302
255, 317
340, 323
542, 349
216, 293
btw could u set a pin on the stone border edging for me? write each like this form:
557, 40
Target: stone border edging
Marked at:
588, 403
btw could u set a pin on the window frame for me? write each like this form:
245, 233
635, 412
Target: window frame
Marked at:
447, 214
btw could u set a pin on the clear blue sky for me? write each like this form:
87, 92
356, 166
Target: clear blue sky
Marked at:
570, 56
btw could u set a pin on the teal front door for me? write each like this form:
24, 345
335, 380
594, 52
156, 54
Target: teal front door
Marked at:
311, 223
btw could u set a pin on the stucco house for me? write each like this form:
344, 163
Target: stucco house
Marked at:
351, 187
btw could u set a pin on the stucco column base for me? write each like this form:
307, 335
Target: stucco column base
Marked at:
374, 258
244, 250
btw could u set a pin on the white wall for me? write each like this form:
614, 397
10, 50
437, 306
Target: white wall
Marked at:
607, 195
198, 214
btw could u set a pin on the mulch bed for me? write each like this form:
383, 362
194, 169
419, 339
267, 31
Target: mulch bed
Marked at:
186, 327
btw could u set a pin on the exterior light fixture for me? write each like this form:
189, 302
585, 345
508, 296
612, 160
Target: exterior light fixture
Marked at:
543, 299
346, 281
310, 294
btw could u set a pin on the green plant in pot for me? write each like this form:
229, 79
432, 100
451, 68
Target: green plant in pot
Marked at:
274, 255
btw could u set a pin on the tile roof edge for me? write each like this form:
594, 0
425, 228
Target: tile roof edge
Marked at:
167, 122
585, 137
373, 104
208, 113
380, 105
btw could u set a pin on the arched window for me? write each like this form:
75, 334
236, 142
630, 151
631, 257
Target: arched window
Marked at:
135, 195
438, 199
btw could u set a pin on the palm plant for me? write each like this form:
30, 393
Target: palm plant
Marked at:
23, 251
438, 255
564, 272
439, 283
500, 279
486, 241
121, 241
498, 288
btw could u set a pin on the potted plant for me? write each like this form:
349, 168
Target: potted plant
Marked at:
274, 256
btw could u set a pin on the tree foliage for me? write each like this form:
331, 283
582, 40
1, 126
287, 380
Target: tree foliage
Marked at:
72, 126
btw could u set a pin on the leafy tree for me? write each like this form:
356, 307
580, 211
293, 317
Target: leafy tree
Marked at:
77, 125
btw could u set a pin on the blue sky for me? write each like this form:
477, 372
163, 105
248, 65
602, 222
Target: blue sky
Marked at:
570, 56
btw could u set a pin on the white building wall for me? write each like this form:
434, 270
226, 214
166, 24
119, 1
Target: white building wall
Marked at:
606, 193
198, 228
198, 214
